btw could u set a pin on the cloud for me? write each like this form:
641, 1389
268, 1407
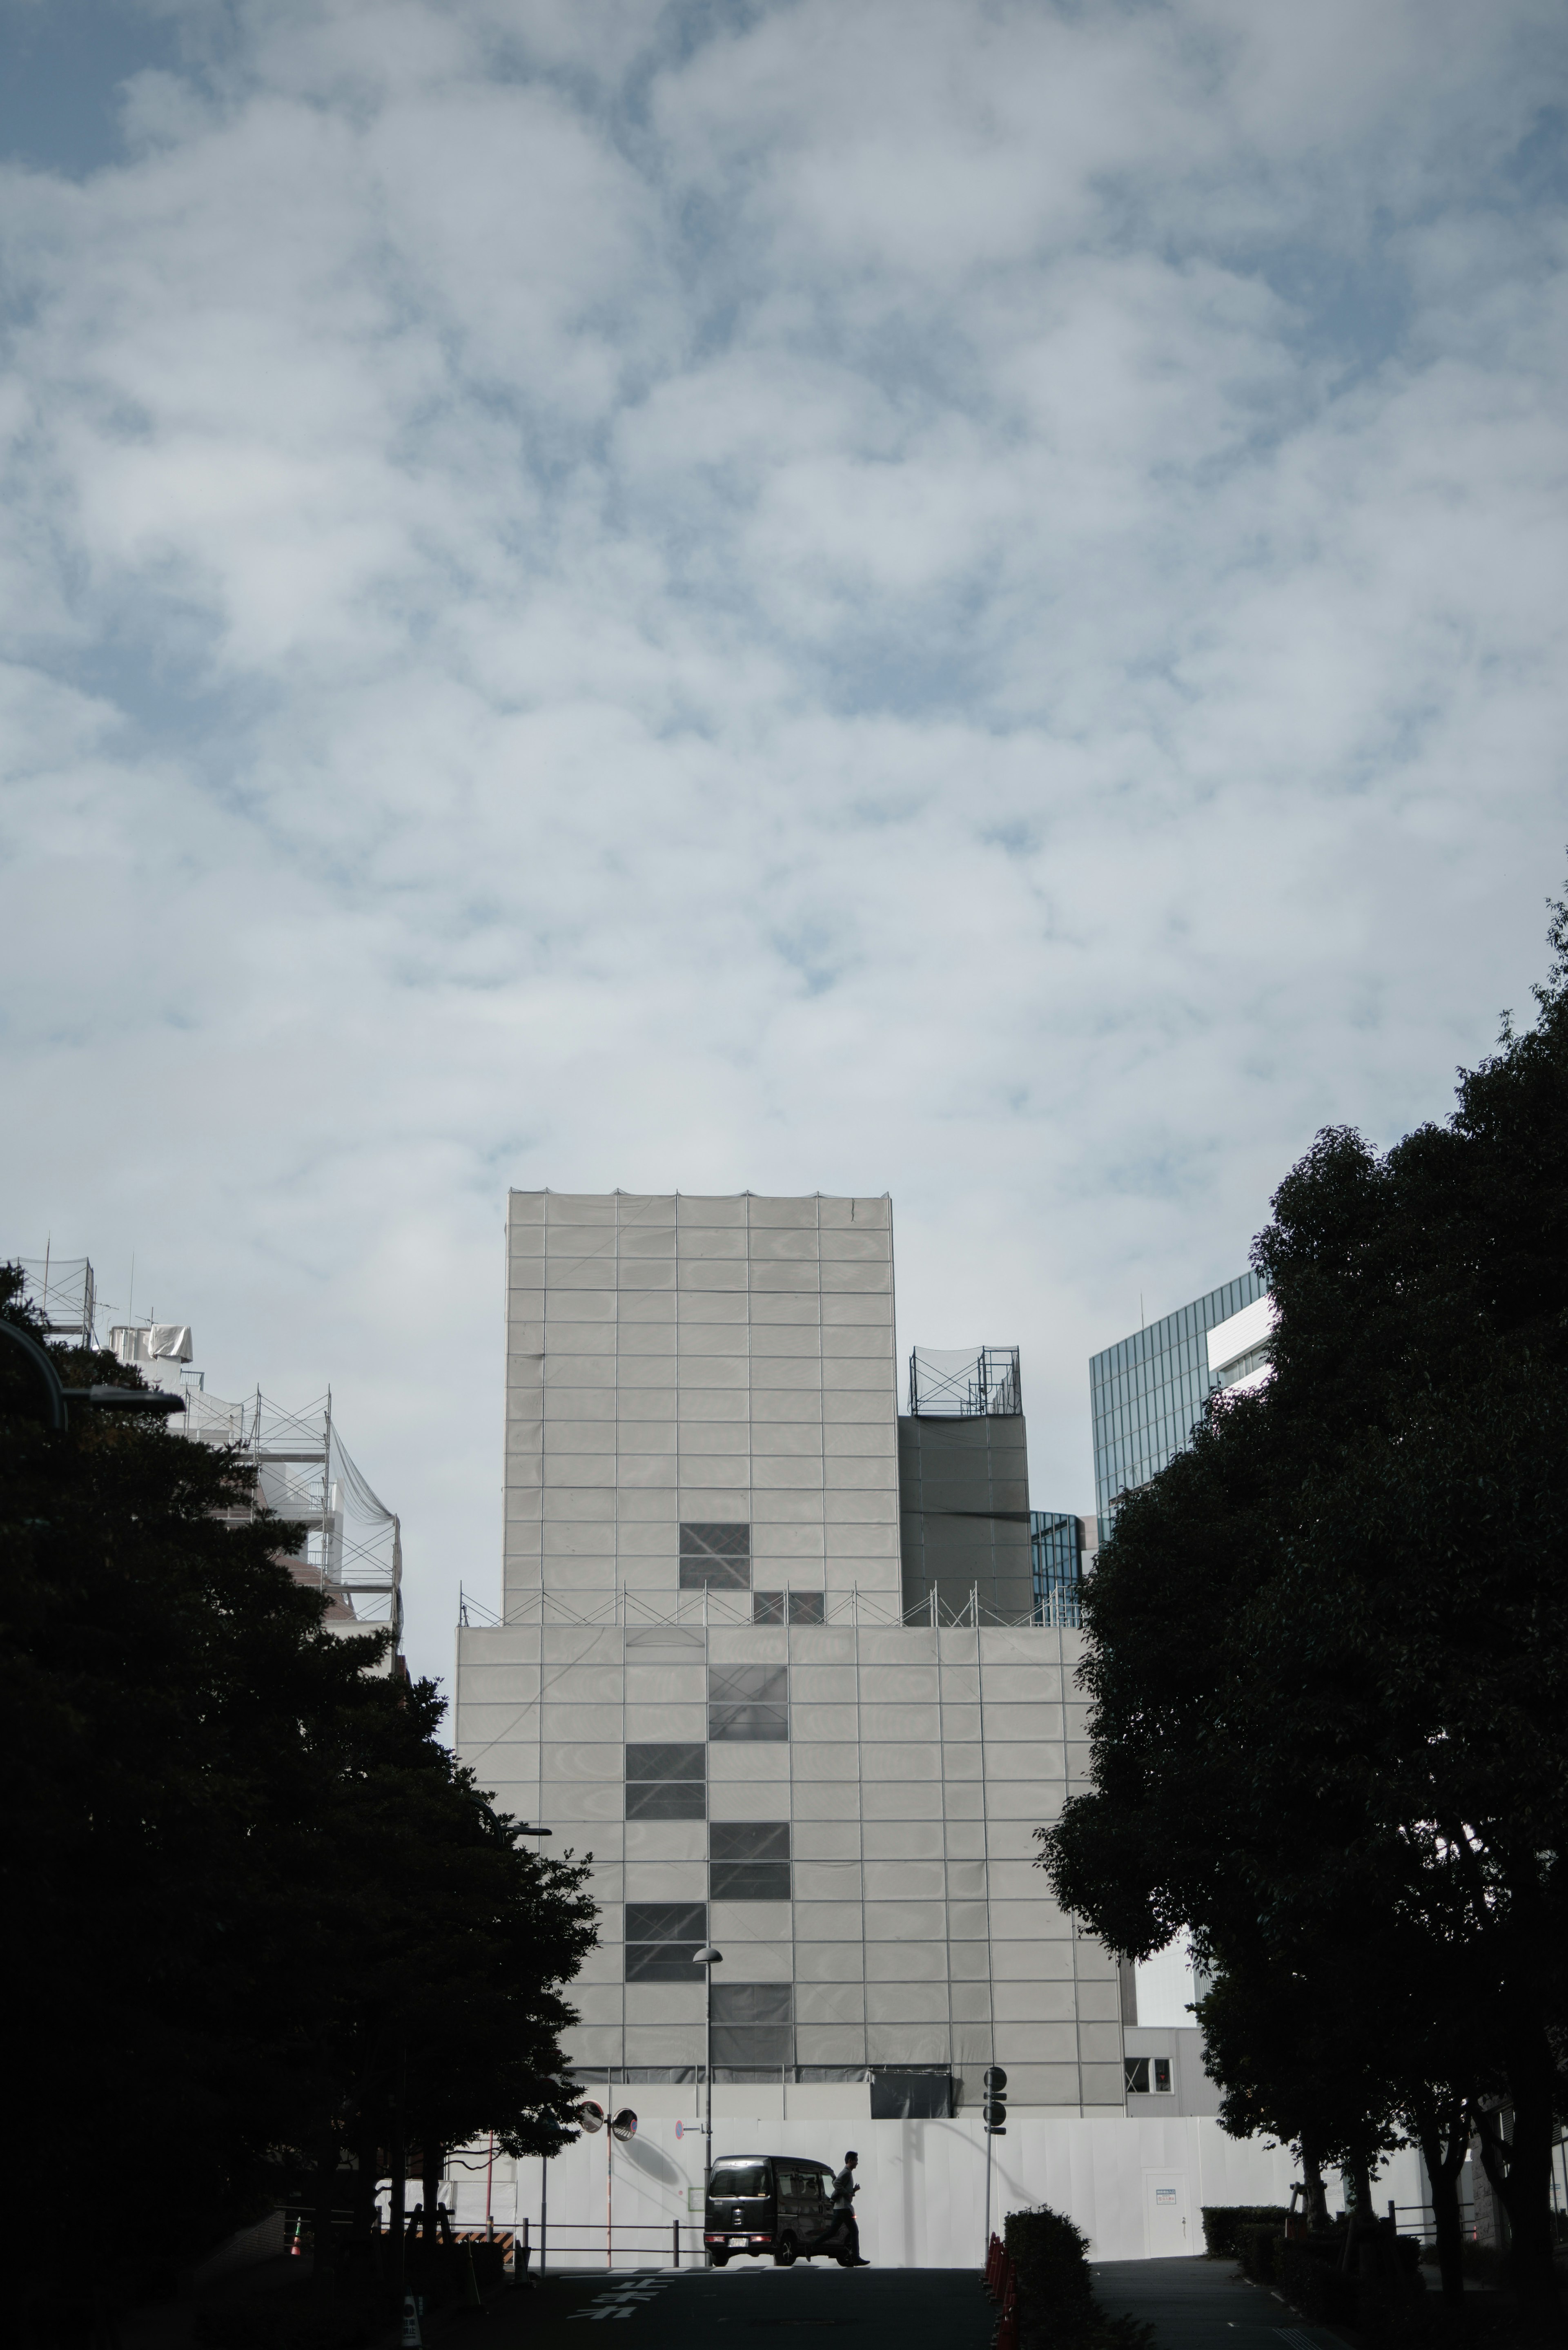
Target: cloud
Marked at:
959, 599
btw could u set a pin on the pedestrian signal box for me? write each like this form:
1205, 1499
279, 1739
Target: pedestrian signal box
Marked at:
994, 2110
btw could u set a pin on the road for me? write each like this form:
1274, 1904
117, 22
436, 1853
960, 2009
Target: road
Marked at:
1196, 2304
714, 2309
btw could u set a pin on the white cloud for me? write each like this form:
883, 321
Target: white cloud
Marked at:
962, 599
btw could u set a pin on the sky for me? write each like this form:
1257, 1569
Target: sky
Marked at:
954, 597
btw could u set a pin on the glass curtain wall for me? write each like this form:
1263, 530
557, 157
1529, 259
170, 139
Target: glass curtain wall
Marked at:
1148, 1390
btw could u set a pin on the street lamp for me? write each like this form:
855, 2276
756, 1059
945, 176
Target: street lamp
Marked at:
707, 1958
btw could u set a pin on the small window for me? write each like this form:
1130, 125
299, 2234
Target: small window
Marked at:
805, 1607
662, 1939
666, 1782
1138, 2075
748, 1701
767, 1607
1162, 2077
715, 1557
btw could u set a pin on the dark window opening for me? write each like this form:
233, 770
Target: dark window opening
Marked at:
749, 1840
715, 1557
749, 1880
754, 2024
666, 1782
1138, 2075
749, 1860
662, 1939
748, 1701
787, 1606
1162, 2075
918, 2093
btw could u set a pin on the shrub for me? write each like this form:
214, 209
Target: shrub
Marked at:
1222, 2222
1309, 2276
1258, 2247
1056, 2304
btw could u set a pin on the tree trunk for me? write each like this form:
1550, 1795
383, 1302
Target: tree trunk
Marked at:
430, 2184
1520, 2169
1443, 2144
368, 2153
1357, 2175
1316, 2193
325, 2198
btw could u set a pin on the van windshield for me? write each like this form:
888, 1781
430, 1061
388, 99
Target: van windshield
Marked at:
734, 2179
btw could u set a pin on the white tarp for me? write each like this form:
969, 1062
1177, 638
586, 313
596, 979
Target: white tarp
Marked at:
922, 2200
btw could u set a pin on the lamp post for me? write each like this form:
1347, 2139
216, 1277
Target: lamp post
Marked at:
707, 1958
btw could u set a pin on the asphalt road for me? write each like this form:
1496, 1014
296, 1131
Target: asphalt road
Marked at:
727, 2309
1197, 2304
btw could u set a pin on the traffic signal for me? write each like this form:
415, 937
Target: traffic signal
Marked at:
995, 2109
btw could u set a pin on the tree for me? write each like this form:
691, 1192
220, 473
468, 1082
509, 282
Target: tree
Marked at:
1328, 1645
256, 1901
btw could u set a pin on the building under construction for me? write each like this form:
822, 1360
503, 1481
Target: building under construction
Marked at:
340, 1538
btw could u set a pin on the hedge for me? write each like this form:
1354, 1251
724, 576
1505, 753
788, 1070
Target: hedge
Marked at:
1222, 2222
1307, 2270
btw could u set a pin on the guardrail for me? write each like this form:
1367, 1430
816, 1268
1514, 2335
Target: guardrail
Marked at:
563, 2235
1424, 2224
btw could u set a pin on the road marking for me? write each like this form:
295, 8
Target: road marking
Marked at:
620, 2299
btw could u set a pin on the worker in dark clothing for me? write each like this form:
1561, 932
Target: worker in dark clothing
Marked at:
846, 2188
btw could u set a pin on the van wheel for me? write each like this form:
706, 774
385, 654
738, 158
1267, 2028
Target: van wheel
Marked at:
718, 2259
784, 2253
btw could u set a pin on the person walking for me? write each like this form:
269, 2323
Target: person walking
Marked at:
846, 2188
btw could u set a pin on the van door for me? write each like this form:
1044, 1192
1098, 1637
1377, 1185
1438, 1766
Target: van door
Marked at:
1166, 2228
816, 2214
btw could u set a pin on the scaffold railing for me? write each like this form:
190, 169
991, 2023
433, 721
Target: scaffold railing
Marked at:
714, 1608
350, 1542
964, 1383
63, 1290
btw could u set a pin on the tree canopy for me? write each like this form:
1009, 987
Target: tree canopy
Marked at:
258, 1904
1328, 1647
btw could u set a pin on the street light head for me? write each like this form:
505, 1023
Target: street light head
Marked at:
707, 1955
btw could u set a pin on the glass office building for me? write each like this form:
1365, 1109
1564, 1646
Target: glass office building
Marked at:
1058, 1540
1148, 1390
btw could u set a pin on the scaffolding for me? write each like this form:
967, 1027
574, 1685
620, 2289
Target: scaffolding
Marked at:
348, 1545
62, 1289
684, 1613
964, 1383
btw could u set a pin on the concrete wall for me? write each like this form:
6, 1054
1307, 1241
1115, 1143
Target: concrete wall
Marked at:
671, 1357
918, 1765
716, 1363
